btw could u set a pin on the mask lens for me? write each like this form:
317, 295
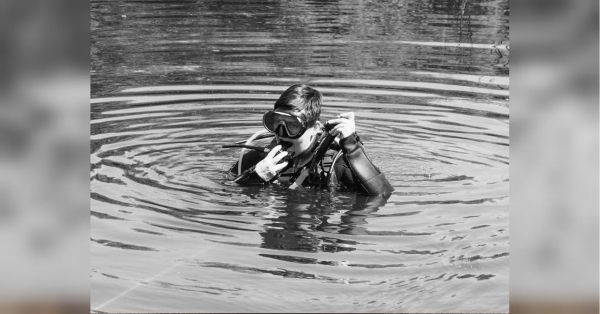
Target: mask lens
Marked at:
270, 121
294, 126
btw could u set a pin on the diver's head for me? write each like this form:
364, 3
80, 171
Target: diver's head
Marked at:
295, 118
302, 99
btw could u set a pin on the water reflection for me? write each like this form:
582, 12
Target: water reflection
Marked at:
295, 225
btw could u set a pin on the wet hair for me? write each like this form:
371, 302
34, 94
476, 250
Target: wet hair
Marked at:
303, 99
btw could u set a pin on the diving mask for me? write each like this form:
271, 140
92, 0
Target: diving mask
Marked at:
284, 124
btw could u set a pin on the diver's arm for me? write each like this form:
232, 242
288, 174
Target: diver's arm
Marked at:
364, 174
371, 180
248, 176
265, 169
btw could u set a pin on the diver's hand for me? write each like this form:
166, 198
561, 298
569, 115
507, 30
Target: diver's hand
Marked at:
344, 125
268, 167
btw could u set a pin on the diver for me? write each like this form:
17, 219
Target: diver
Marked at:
304, 151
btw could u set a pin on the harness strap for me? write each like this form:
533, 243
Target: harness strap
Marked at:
327, 167
300, 179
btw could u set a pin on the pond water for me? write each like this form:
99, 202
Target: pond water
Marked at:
173, 81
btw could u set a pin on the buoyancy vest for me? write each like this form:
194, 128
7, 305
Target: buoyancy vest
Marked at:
322, 174
356, 171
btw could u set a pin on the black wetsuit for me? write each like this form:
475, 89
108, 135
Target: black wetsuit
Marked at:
353, 170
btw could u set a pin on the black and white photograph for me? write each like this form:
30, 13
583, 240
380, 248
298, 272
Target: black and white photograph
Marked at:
279, 156
299, 156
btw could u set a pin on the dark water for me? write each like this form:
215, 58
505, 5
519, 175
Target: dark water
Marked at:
172, 81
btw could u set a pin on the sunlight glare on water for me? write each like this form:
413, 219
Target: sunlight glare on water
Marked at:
173, 82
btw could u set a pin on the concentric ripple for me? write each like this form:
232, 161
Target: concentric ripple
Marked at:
159, 186
170, 232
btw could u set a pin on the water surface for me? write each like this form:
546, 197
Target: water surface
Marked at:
173, 81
